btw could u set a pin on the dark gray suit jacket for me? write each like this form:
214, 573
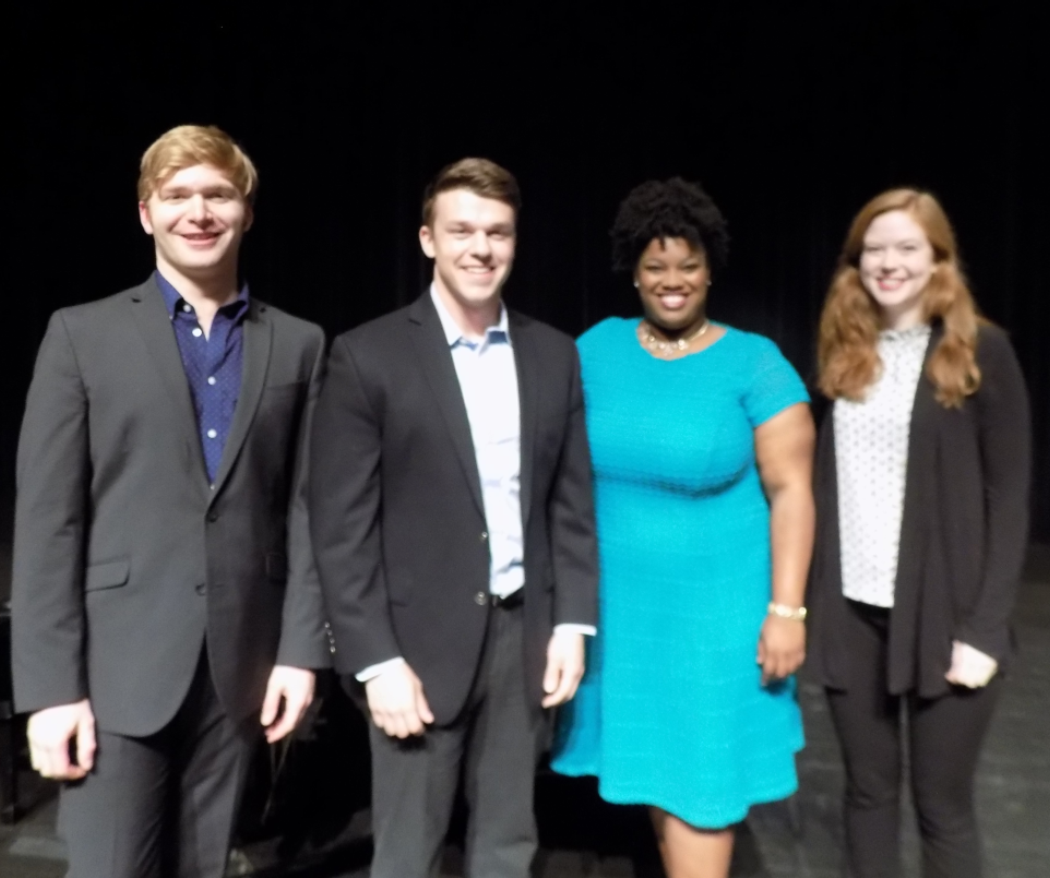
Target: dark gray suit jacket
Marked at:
125, 558
963, 534
396, 508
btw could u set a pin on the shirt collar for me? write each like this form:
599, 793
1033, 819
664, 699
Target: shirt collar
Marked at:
454, 335
172, 298
915, 333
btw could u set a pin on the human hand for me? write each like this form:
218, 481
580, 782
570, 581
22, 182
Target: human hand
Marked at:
50, 732
397, 703
295, 686
781, 647
564, 667
970, 667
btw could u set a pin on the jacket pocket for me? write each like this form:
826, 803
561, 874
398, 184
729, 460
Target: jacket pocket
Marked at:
108, 574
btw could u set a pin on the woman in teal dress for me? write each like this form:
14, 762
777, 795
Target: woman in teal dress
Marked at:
702, 443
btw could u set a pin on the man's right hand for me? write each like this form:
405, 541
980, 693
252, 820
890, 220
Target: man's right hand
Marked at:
50, 733
397, 702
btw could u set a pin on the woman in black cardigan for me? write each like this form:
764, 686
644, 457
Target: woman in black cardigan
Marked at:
923, 466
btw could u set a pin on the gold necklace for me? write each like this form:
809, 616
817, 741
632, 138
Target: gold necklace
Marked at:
681, 344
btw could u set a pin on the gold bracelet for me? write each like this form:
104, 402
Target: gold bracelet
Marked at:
795, 614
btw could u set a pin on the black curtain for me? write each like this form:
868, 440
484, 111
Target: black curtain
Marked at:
791, 114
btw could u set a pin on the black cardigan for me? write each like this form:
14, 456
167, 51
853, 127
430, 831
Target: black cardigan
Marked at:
964, 530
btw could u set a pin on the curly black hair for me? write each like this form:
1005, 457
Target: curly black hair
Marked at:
672, 208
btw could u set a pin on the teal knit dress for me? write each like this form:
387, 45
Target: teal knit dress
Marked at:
672, 711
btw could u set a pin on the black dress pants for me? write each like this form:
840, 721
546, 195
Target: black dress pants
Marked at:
945, 736
494, 746
161, 806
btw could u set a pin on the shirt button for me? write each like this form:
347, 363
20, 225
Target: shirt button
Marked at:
481, 598
186, 308
484, 536
211, 379
212, 434
197, 332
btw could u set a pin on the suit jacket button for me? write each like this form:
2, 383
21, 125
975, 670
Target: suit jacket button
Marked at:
481, 598
200, 588
213, 516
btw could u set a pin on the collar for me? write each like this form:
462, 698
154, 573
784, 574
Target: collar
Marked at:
172, 298
454, 335
915, 333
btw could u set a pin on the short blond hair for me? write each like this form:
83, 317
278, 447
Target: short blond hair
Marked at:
187, 145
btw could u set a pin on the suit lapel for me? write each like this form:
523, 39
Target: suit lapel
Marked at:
154, 325
525, 359
435, 359
258, 339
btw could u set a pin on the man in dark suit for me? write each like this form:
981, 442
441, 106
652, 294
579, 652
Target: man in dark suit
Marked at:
454, 530
165, 598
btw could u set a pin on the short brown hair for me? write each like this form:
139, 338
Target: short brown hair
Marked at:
484, 178
189, 145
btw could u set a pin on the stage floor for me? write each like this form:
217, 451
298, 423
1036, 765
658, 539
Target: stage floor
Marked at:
801, 838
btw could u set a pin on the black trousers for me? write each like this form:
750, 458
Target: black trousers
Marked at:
164, 805
494, 746
945, 736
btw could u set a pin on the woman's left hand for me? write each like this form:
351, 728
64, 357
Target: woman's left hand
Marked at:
781, 648
970, 667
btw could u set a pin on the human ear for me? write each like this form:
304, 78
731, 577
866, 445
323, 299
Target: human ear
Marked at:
426, 241
144, 218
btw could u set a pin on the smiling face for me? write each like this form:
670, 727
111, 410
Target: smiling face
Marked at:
471, 240
197, 218
672, 278
896, 264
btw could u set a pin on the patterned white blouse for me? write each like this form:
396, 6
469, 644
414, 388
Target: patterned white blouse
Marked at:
871, 459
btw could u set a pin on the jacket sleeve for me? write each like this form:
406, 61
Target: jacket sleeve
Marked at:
574, 547
345, 516
51, 515
304, 635
1004, 425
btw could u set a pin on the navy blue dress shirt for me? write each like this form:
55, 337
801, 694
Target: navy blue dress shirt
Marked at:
213, 366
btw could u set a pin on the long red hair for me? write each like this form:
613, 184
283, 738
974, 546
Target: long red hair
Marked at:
849, 324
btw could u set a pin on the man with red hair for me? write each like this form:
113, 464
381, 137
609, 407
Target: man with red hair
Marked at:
164, 596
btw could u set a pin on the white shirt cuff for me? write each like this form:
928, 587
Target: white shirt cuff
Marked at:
373, 671
575, 628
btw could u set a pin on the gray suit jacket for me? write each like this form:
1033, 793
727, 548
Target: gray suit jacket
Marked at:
125, 558
398, 519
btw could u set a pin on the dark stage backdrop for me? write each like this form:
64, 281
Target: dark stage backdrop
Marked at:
791, 114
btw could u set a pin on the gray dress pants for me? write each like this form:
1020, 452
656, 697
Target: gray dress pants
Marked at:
162, 806
493, 748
